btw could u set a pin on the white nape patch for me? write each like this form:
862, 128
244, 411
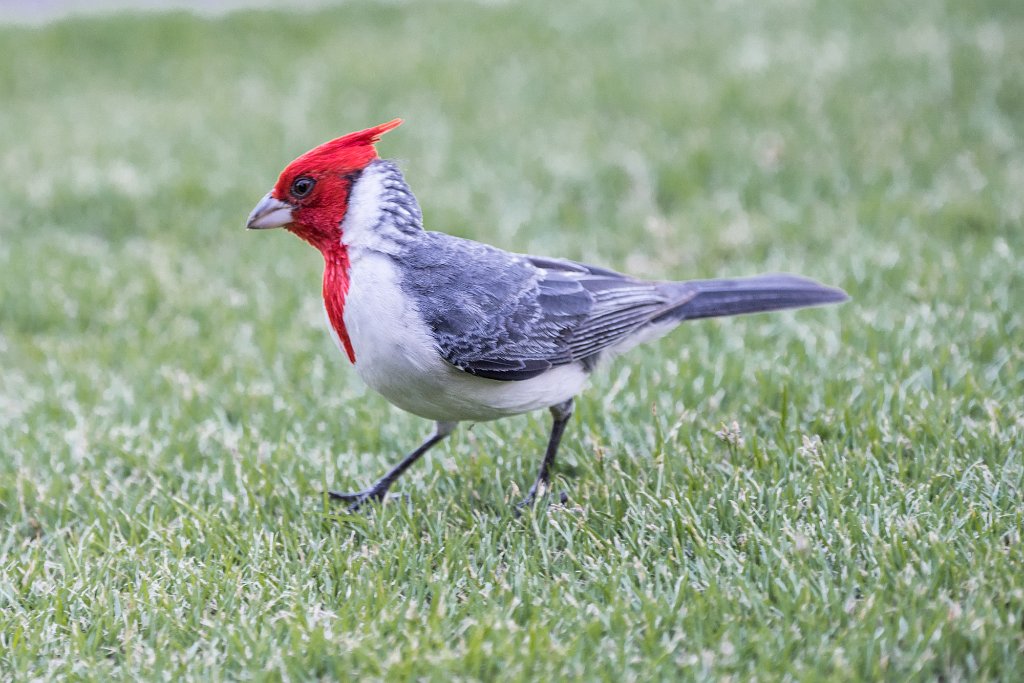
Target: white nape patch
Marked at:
362, 227
396, 356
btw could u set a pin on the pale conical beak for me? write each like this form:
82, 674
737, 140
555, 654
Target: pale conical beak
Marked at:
270, 213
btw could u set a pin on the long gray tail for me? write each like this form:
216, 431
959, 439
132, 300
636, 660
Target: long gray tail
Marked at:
713, 298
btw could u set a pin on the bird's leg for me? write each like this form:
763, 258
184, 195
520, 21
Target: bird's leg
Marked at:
560, 414
381, 486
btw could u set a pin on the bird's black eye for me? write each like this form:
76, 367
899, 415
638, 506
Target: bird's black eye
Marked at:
302, 186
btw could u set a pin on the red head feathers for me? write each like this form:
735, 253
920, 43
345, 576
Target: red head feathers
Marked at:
313, 190
310, 199
339, 156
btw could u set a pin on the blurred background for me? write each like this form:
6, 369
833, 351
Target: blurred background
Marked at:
875, 147
152, 351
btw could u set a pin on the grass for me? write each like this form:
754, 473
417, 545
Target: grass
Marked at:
831, 494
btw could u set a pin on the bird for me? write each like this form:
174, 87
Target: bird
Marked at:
454, 330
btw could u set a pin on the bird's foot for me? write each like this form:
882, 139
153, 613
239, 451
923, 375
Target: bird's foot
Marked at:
538, 489
358, 499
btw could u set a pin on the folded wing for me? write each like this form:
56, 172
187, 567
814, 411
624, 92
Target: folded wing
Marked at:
511, 317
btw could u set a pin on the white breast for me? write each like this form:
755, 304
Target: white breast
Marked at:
396, 356
394, 349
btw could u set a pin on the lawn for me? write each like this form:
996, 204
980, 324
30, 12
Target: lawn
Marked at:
822, 494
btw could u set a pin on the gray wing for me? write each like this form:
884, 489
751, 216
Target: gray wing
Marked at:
511, 317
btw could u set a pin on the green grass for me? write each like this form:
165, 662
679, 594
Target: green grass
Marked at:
171, 407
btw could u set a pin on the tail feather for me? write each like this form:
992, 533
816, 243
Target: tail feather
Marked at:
713, 298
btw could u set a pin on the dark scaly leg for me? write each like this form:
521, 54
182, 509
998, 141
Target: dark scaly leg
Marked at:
380, 487
560, 414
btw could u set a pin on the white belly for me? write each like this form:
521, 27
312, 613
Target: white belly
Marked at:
396, 356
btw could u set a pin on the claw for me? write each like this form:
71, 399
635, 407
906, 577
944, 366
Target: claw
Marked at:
538, 488
358, 499
346, 497
531, 498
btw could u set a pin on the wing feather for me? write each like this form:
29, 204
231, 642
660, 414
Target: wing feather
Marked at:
512, 317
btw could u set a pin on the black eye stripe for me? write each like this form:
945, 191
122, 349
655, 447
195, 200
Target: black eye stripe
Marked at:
302, 186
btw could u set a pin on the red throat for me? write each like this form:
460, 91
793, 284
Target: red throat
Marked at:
321, 227
336, 270
317, 215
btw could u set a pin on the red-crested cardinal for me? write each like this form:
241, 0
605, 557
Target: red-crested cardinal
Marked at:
454, 330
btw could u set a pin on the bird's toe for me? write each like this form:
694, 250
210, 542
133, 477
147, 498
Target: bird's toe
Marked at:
561, 498
359, 499
354, 497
